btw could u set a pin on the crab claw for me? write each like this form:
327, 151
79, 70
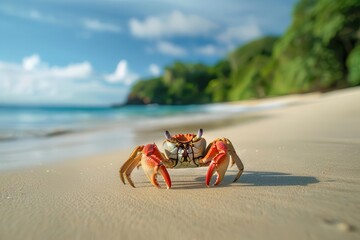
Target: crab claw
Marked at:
152, 165
219, 162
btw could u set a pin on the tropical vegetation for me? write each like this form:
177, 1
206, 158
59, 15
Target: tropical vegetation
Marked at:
320, 51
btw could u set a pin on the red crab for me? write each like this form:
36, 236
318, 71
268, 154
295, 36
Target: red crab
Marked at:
182, 151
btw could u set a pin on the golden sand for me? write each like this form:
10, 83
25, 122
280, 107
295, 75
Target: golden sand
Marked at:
301, 181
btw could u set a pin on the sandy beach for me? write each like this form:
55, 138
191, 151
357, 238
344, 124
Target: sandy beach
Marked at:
301, 181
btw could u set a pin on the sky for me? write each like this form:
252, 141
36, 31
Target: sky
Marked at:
90, 52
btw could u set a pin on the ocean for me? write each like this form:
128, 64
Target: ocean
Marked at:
33, 136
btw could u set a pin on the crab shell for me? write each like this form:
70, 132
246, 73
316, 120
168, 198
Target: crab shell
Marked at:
184, 150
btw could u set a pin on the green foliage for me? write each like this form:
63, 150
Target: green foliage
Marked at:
319, 51
247, 52
181, 84
312, 53
148, 91
251, 79
353, 63
217, 90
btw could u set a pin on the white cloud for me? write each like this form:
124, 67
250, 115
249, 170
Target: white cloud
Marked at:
35, 81
154, 69
209, 50
29, 63
236, 34
33, 76
35, 15
73, 71
168, 48
99, 26
31, 14
33, 68
122, 74
174, 24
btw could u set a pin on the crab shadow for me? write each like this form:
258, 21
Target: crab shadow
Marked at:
250, 178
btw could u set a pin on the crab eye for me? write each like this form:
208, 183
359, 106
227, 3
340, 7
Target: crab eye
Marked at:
167, 135
199, 133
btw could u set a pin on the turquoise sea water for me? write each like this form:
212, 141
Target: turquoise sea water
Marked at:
36, 122
31, 136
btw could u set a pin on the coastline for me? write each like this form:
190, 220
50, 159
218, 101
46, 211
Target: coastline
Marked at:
88, 133
301, 181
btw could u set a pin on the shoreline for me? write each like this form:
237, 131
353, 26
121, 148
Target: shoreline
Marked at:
301, 181
61, 144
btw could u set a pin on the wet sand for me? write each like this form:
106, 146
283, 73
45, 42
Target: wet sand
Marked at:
301, 181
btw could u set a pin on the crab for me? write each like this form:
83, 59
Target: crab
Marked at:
182, 151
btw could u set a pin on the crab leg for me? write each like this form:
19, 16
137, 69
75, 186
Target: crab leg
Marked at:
153, 165
219, 158
234, 158
130, 164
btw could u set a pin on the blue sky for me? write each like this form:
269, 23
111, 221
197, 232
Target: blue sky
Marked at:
90, 52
